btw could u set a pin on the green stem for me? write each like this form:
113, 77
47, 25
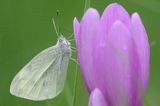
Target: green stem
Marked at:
75, 87
47, 103
68, 95
87, 5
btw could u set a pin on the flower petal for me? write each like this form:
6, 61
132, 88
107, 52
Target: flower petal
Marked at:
97, 98
88, 29
76, 26
112, 13
121, 38
112, 70
143, 49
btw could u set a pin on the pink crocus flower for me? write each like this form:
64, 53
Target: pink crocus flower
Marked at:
114, 55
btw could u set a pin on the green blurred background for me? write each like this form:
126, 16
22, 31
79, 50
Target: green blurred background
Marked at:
26, 29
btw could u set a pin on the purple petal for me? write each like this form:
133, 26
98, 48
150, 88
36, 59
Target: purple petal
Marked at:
88, 29
76, 26
112, 71
112, 13
113, 53
97, 98
143, 49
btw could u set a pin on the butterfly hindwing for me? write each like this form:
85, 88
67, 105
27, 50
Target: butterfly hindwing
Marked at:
43, 77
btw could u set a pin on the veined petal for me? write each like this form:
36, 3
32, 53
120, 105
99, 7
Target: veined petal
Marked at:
124, 46
76, 27
97, 98
112, 13
142, 47
89, 26
112, 67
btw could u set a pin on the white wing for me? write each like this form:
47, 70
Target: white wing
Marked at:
43, 77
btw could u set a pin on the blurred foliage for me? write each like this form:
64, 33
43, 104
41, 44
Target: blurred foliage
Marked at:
26, 29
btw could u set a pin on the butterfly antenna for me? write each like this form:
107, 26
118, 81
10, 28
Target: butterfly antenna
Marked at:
57, 20
55, 28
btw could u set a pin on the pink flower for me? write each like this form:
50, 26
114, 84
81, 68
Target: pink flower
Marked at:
97, 98
114, 55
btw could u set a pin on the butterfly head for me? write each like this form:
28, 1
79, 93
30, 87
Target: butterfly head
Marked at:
64, 44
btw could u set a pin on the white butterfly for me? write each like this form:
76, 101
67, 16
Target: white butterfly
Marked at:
44, 76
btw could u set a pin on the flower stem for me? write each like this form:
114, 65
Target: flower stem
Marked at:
75, 87
87, 5
47, 103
